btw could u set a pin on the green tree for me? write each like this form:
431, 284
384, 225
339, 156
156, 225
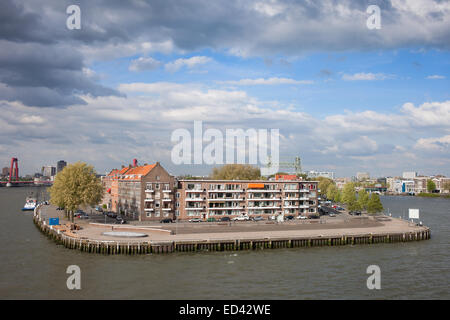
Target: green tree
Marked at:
338, 196
236, 172
324, 183
332, 190
431, 186
348, 193
76, 185
374, 205
363, 199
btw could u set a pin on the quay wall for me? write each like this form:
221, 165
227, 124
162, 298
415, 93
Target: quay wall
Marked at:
148, 247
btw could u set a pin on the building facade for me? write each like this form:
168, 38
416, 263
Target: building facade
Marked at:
140, 192
60, 165
205, 199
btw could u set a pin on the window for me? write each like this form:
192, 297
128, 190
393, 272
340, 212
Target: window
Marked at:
157, 186
157, 213
177, 195
166, 186
149, 186
157, 204
149, 214
158, 177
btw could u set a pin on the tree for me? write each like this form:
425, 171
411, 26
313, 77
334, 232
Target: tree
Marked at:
348, 193
338, 196
236, 172
74, 186
332, 190
431, 186
374, 205
363, 199
324, 183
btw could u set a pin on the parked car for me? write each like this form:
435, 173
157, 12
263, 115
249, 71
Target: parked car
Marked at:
314, 216
332, 215
225, 219
111, 214
340, 209
83, 216
302, 217
290, 217
211, 220
241, 218
195, 220
168, 220
258, 218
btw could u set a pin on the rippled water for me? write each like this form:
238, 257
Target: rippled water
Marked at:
32, 267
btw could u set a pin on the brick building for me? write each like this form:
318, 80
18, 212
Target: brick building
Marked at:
150, 193
140, 192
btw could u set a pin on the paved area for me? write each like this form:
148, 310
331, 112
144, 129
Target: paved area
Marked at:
239, 230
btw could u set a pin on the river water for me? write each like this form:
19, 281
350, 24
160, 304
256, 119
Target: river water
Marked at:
33, 267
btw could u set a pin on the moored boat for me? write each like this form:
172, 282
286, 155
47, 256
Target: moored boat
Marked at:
30, 204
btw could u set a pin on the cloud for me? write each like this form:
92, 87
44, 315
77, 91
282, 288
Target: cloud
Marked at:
365, 76
434, 144
436, 76
144, 64
269, 81
189, 63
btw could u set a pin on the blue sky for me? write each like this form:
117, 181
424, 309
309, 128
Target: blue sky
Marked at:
345, 98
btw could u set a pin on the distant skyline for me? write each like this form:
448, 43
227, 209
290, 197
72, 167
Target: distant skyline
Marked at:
345, 98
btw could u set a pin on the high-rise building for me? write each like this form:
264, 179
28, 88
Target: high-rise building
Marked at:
48, 171
409, 175
5, 171
60, 165
362, 176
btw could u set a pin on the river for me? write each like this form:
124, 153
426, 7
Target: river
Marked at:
34, 267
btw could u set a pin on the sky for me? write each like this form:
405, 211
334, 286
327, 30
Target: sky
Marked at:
344, 97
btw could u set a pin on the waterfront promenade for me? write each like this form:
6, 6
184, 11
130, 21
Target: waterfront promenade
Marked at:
235, 235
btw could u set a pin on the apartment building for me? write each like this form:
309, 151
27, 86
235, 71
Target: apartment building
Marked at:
218, 198
140, 192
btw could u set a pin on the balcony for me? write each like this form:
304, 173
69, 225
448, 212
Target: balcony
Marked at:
304, 198
149, 190
167, 209
194, 199
148, 209
304, 190
224, 191
188, 208
268, 207
168, 191
149, 200
264, 199
263, 190
194, 190
166, 199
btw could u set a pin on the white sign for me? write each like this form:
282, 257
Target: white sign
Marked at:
414, 213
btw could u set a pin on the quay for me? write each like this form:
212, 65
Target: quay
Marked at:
241, 236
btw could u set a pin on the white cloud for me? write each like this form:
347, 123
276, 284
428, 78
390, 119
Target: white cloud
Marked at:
189, 63
435, 76
144, 64
269, 81
365, 76
434, 144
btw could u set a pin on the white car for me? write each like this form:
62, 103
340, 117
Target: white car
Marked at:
241, 218
302, 217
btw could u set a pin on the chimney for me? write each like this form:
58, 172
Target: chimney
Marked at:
135, 162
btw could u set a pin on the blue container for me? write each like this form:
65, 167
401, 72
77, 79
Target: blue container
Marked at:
53, 221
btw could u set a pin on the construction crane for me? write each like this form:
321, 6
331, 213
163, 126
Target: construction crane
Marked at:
296, 165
